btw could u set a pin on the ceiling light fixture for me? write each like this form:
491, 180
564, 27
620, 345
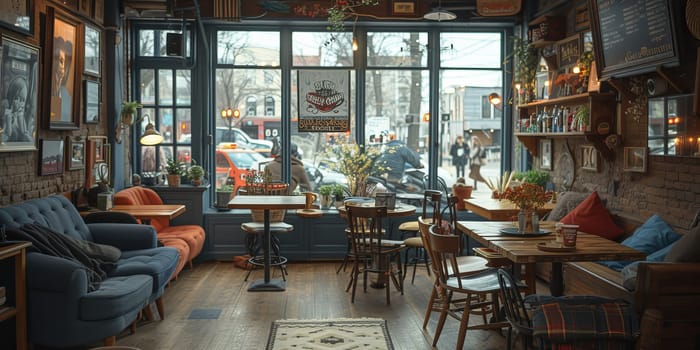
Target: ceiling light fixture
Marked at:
439, 14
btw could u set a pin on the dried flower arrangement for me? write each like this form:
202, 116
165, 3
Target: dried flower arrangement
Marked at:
527, 196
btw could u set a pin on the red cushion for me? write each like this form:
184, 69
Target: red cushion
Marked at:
592, 217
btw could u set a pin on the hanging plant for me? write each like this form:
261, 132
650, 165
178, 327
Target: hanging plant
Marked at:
344, 9
525, 64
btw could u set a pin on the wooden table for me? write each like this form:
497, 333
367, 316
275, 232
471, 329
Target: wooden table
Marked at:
524, 251
148, 211
17, 251
398, 211
267, 203
499, 209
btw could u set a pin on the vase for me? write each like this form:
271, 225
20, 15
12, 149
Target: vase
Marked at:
522, 220
173, 180
535, 220
325, 201
526, 221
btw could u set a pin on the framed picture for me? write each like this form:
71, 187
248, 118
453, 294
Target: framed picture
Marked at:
19, 87
589, 158
546, 154
324, 100
582, 20
635, 159
86, 7
92, 59
543, 85
403, 7
76, 152
569, 51
99, 14
61, 70
92, 101
51, 160
17, 15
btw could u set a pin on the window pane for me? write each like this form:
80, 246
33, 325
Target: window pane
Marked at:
146, 42
165, 87
397, 49
183, 86
184, 121
148, 86
322, 49
165, 124
248, 48
163, 49
470, 50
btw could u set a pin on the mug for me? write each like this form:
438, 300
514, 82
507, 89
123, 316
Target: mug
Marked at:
310, 198
559, 232
569, 232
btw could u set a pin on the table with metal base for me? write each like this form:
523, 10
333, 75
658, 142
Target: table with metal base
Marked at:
267, 203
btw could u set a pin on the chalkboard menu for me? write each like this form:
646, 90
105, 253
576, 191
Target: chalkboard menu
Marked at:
632, 36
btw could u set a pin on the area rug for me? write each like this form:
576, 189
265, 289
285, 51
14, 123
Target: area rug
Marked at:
339, 333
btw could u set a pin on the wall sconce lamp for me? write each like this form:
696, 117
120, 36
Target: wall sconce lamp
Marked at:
150, 136
495, 99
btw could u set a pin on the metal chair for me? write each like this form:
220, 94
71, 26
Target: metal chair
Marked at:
515, 311
370, 252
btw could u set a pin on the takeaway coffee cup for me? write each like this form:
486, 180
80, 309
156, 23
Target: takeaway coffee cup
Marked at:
569, 234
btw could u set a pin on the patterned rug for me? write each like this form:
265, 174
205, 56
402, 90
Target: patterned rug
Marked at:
339, 333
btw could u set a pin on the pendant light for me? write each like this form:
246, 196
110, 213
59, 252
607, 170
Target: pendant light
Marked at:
439, 14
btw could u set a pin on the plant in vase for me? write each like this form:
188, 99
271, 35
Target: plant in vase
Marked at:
499, 185
357, 163
528, 198
195, 173
175, 170
326, 192
224, 193
581, 119
338, 194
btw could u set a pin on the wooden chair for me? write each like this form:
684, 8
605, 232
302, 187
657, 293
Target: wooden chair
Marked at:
514, 306
256, 229
370, 252
415, 242
480, 290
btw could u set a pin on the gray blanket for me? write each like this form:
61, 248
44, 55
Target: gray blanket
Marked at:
98, 259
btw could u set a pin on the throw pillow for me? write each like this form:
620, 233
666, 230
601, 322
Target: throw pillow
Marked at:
566, 202
592, 217
687, 248
654, 238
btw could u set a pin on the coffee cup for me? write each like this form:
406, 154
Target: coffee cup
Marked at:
569, 233
559, 233
310, 198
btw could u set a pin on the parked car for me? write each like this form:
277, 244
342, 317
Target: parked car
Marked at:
242, 140
235, 163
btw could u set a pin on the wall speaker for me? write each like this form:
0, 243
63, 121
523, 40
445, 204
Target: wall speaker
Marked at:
656, 86
173, 44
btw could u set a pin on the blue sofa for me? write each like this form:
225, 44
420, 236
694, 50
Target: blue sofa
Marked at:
60, 310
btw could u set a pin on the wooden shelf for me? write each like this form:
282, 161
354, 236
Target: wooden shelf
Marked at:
7, 312
602, 110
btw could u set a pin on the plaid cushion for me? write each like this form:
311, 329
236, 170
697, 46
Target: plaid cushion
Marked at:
569, 320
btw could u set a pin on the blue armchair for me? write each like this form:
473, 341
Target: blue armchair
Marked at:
60, 310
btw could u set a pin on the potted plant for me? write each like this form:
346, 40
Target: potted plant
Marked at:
339, 194
581, 119
129, 109
195, 173
462, 191
175, 170
326, 192
224, 193
537, 177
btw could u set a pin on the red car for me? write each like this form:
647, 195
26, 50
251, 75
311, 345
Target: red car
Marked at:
236, 164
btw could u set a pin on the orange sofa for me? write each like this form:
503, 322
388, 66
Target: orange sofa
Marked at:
172, 236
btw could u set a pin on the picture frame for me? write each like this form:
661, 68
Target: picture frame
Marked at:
582, 19
20, 74
51, 159
569, 51
17, 15
546, 154
98, 148
92, 102
92, 51
76, 153
635, 159
543, 84
63, 67
403, 8
86, 7
98, 11
589, 158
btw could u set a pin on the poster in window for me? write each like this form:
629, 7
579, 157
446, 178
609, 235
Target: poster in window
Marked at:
19, 87
324, 104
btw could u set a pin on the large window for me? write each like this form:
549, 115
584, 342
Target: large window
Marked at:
256, 107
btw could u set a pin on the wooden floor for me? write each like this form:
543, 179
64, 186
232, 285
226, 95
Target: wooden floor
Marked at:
314, 291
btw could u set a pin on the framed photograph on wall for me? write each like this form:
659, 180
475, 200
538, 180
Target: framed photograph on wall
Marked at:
635, 159
51, 159
403, 8
589, 158
76, 152
92, 59
17, 15
92, 101
546, 154
19, 87
62, 88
